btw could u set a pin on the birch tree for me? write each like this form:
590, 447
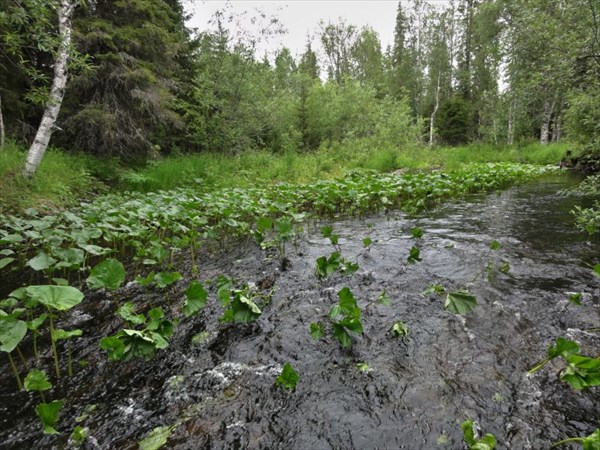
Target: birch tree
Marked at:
59, 83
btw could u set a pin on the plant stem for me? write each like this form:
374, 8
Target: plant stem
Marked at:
15, 371
538, 366
564, 441
23, 360
54, 344
35, 350
70, 364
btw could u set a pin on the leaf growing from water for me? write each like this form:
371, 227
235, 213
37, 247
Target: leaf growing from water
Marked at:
340, 333
417, 232
156, 439
196, 297
384, 298
575, 298
316, 331
108, 274
48, 414
78, 436
36, 380
400, 329
460, 302
60, 298
434, 289
495, 245
367, 242
288, 377
414, 255
488, 442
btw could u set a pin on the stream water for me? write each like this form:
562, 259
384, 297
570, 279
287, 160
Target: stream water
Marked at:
218, 388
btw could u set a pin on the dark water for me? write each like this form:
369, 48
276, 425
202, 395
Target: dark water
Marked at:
220, 391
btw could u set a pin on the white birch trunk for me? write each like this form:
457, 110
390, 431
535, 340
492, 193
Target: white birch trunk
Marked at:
434, 113
511, 123
546, 118
2, 135
57, 92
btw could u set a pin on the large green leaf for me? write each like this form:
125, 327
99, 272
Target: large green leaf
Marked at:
196, 297
340, 333
5, 262
108, 274
12, 331
41, 262
564, 348
127, 313
48, 414
316, 331
61, 298
460, 302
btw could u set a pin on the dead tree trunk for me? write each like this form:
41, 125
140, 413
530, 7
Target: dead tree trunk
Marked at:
57, 92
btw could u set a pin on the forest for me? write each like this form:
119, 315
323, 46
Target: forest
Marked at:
203, 245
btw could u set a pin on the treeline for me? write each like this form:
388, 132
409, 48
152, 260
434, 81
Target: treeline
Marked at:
141, 83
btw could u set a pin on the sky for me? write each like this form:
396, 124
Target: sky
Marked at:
301, 18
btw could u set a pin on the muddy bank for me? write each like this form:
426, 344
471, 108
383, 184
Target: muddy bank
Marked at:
216, 380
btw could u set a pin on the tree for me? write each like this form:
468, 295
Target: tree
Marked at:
143, 66
367, 60
338, 40
57, 91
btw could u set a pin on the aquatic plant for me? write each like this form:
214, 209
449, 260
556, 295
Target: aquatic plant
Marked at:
345, 318
591, 442
37, 381
288, 378
487, 442
580, 371
135, 341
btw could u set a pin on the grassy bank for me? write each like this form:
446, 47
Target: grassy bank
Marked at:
63, 179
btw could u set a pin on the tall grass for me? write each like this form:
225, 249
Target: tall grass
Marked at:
61, 180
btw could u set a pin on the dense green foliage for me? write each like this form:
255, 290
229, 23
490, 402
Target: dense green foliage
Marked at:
142, 84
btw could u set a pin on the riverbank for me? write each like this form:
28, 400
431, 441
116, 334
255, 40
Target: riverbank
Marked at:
65, 179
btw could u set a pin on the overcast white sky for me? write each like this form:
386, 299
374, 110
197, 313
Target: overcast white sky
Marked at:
301, 17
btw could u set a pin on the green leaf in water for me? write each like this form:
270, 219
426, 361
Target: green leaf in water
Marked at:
384, 299
363, 367
108, 274
575, 298
340, 333
460, 302
417, 232
196, 297
495, 245
400, 329
288, 377
48, 414
596, 269
316, 331
414, 255
563, 348
36, 380
437, 289
156, 439
367, 242
78, 436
